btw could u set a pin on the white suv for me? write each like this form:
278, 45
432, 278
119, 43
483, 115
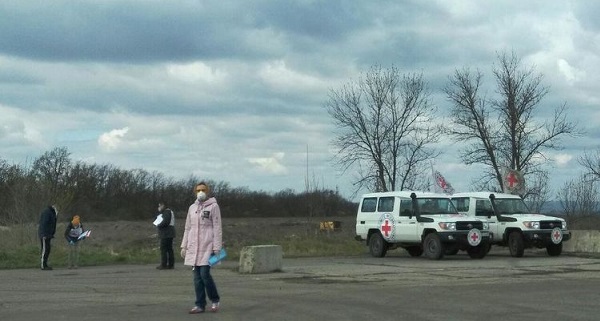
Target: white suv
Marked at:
420, 222
511, 223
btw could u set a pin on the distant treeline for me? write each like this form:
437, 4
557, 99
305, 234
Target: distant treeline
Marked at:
105, 192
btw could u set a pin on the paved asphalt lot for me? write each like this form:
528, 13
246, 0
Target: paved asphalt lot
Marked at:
397, 287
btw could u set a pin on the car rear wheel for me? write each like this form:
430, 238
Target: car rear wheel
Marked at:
377, 245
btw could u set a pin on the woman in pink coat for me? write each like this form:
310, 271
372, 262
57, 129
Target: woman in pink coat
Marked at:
201, 239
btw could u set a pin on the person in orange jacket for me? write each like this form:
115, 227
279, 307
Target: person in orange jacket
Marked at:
72, 233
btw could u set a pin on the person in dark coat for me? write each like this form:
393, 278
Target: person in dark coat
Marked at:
166, 234
46, 230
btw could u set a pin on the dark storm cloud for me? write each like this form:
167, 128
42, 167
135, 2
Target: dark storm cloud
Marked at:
123, 31
329, 21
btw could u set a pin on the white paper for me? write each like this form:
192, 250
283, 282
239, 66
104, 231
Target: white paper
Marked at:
84, 235
158, 220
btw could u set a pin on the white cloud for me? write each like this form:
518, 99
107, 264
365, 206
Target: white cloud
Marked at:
196, 72
279, 76
562, 160
112, 140
570, 73
270, 165
22, 128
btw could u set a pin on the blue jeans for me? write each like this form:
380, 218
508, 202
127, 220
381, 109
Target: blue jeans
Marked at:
204, 285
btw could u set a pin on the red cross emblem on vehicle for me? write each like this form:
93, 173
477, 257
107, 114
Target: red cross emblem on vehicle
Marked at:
556, 235
386, 228
474, 237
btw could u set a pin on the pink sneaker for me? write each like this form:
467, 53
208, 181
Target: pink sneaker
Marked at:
214, 307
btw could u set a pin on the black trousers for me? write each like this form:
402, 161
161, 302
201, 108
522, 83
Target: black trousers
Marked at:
167, 258
45, 251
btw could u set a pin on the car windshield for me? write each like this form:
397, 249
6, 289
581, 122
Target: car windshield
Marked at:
436, 206
511, 206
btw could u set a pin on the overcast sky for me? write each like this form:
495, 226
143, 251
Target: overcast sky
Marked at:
235, 90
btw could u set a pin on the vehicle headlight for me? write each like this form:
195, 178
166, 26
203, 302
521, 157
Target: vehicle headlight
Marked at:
447, 226
564, 225
532, 225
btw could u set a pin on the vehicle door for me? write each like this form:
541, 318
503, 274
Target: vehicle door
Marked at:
387, 220
406, 225
484, 210
367, 217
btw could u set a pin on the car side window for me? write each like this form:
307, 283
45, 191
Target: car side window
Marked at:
386, 204
483, 208
369, 204
462, 204
405, 208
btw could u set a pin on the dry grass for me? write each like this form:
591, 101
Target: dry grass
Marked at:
136, 241
292, 233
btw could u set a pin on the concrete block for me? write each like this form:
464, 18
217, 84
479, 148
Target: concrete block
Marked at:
261, 259
583, 241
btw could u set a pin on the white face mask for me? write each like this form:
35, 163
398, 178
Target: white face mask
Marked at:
201, 196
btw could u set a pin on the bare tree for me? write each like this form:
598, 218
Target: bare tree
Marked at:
538, 192
591, 162
579, 197
502, 132
51, 171
16, 191
385, 128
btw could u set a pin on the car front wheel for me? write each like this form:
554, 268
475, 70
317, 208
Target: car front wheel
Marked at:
479, 251
554, 249
515, 244
433, 247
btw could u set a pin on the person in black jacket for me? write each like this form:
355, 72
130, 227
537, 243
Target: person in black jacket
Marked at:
166, 234
46, 230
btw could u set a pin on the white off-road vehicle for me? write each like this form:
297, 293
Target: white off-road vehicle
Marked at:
512, 224
419, 222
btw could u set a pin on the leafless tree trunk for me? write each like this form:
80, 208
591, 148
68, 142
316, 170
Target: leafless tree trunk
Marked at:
502, 132
385, 124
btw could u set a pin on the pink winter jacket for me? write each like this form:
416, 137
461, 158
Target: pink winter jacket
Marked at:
203, 232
